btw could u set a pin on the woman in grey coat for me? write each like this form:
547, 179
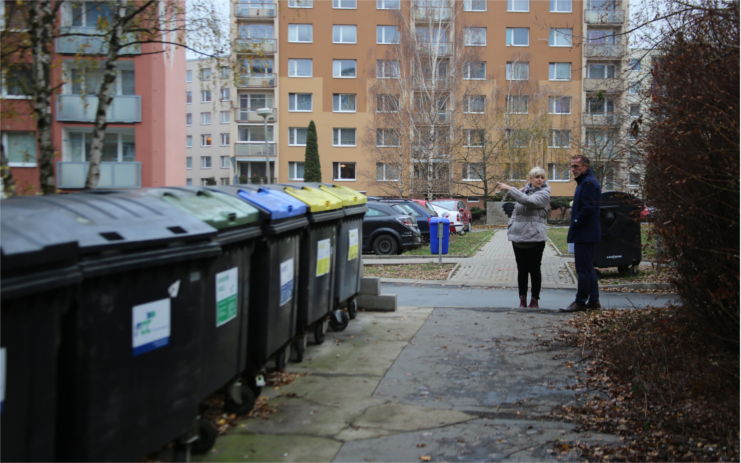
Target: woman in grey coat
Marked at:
527, 231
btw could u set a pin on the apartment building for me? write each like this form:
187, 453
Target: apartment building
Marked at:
431, 97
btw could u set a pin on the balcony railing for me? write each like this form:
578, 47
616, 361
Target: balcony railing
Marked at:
256, 46
245, 115
72, 175
90, 42
609, 119
81, 108
424, 12
265, 10
604, 51
599, 17
256, 81
436, 48
605, 85
254, 149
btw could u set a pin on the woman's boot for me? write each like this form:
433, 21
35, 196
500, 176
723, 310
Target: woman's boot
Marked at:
534, 303
523, 302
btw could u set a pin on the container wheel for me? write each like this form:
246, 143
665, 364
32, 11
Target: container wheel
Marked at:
281, 358
352, 308
320, 331
298, 348
207, 434
339, 320
243, 402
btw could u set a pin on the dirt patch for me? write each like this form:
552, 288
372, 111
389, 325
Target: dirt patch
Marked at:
410, 271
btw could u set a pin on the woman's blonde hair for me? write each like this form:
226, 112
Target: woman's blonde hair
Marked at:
536, 171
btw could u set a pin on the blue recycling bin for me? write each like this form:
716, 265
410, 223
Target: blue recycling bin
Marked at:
435, 245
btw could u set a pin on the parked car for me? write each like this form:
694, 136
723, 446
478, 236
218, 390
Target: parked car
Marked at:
422, 214
387, 230
463, 218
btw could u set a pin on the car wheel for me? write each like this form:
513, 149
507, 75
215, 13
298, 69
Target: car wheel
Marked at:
385, 245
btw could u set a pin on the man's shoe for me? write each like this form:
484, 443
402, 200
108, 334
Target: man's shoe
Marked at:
575, 307
593, 305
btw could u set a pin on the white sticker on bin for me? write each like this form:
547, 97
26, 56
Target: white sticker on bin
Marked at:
226, 295
323, 257
150, 326
174, 289
286, 281
352, 245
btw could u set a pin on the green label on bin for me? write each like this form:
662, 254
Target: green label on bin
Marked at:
352, 239
226, 295
323, 257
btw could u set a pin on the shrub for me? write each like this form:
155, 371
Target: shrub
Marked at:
477, 212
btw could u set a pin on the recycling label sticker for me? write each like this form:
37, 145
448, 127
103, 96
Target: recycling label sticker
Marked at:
286, 281
323, 257
226, 295
150, 326
352, 251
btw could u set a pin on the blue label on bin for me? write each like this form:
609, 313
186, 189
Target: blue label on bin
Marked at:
150, 326
286, 281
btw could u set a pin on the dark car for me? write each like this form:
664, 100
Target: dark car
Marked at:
420, 213
386, 230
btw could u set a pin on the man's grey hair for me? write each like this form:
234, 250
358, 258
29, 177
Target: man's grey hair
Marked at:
583, 159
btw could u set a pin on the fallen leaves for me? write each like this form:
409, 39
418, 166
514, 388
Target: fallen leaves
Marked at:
409, 271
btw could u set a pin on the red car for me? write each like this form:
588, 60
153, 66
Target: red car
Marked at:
456, 205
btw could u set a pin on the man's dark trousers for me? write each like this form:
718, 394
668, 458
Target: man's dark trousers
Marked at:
586, 275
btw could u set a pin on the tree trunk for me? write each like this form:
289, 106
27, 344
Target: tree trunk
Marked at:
7, 175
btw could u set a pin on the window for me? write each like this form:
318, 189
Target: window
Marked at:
86, 80
387, 34
295, 170
205, 74
189, 75
300, 33
517, 70
20, 148
225, 139
206, 139
225, 117
474, 104
223, 180
600, 71
189, 141
188, 97
300, 3
517, 104
206, 118
560, 6
473, 171
560, 139
518, 37
343, 102
224, 71
255, 134
300, 68
225, 94
387, 137
559, 71
474, 5
205, 96
518, 5
386, 172
88, 14
205, 162
188, 182
559, 105
188, 118
634, 178
257, 66
225, 164
297, 136
474, 70
256, 32
635, 110
344, 33
601, 36
351, 4
387, 103
474, 36
299, 101
597, 105
253, 102
343, 170
387, 69
189, 162
473, 138
343, 137
344, 68
118, 145
634, 64
388, 4
634, 88
517, 138
560, 37
558, 172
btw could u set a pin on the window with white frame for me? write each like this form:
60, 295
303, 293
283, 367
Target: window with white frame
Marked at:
188, 118
225, 139
559, 105
387, 69
206, 139
388, 4
517, 104
474, 104
473, 138
82, 79
440, 170
558, 171
635, 110
345, 4
601, 71
189, 162
599, 105
474, 36
300, 33
387, 34
517, 37
205, 74
344, 68
189, 141
602, 36
20, 148
634, 88
560, 37
343, 136
559, 71
189, 75
474, 70
386, 103
518, 5
344, 33
473, 171
299, 102
343, 102
257, 66
254, 101
517, 70
206, 118
634, 64
118, 145
15, 81
343, 170
300, 3
254, 134
188, 97
224, 72
300, 67
223, 180
387, 137
517, 138
88, 14
225, 164
297, 136
387, 172
205, 162
225, 117
560, 6
295, 170
474, 5
256, 32
225, 94
205, 96
560, 139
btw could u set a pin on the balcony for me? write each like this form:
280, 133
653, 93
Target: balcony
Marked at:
594, 120
424, 12
604, 17
430, 83
246, 115
256, 46
604, 51
436, 48
78, 108
254, 149
266, 10
72, 175
604, 85
90, 42
256, 81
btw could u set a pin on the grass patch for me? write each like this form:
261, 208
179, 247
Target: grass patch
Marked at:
409, 271
459, 245
648, 242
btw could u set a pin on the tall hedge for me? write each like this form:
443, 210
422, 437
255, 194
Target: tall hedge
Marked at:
312, 167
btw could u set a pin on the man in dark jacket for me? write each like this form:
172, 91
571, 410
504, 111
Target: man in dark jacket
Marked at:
585, 233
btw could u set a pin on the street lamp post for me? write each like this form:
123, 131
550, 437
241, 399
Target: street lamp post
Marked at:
264, 113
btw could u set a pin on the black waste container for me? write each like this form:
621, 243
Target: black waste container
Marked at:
225, 314
39, 281
130, 346
620, 222
275, 268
